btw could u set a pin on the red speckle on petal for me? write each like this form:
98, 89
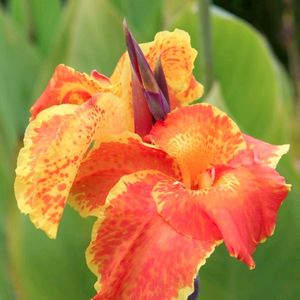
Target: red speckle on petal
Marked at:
61, 187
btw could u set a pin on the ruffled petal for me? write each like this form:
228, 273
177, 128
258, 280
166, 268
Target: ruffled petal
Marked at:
199, 137
177, 58
193, 92
265, 153
54, 145
67, 86
243, 203
104, 166
135, 253
181, 208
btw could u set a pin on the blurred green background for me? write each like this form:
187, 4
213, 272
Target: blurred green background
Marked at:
256, 82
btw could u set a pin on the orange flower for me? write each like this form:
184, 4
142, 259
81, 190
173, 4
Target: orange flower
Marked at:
163, 202
169, 204
76, 112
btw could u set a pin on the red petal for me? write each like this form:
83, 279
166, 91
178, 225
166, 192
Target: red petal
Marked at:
244, 203
135, 253
116, 156
179, 207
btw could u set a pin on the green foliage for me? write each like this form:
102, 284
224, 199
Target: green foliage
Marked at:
248, 74
48, 269
37, 20
36, 35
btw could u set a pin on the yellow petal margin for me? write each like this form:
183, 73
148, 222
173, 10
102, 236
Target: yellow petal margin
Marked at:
54, 145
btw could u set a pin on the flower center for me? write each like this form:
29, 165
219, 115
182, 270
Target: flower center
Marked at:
203, 180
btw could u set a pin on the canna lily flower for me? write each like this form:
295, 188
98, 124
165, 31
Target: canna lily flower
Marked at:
200, 182
166, 190
76, 112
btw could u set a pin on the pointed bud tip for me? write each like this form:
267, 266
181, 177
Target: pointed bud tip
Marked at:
125, 26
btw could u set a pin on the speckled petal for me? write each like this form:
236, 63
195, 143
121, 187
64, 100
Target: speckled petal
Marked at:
67, 86
54, 145
177, 58
199, 137
193, 92
243, 202
135, 253
104, 166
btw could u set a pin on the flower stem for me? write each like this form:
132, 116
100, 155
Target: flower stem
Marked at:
205, 29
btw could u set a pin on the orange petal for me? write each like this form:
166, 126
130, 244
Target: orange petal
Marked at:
243, 203
116, 156
54, 145
177, 58
135, 253
67, 86
265, 153
199, 137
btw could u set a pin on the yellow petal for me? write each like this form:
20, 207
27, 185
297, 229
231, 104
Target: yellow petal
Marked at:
177, 58
54, 145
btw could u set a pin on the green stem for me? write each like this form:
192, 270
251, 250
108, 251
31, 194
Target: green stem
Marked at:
289, 30
205, 29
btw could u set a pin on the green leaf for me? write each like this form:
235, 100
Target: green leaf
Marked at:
20, 14
252, 81
59, 48
216, 98
6, 287
144, 17
37, 20
45, 19
249, 76
19, 65
96, 37
52, 269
